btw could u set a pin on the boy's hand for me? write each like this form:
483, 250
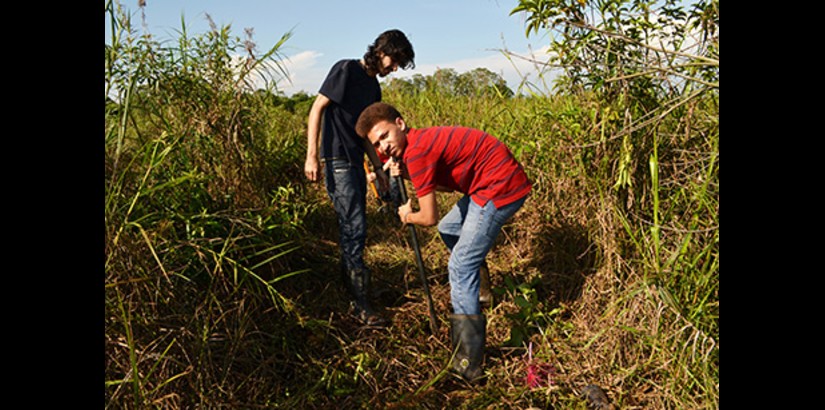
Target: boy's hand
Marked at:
312, 169
404, 210
393, 166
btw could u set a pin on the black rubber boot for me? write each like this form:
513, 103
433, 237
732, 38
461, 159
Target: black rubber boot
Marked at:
359, 281
485, 295
468, 334
345, 277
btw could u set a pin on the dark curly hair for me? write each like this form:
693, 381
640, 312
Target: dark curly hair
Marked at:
394, 44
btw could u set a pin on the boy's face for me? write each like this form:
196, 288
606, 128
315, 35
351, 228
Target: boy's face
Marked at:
387, 66
389, 138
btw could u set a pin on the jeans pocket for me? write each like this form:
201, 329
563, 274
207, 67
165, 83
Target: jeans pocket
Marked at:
340, 167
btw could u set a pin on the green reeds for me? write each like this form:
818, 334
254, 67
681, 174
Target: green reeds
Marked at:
186, 186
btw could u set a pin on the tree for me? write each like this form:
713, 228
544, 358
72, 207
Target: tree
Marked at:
477, 82
482, 81
629, 46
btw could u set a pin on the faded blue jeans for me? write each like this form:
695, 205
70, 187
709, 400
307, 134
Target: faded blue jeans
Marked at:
470, 231
347, 189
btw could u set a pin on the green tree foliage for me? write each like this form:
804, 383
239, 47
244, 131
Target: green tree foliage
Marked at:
477, 82
636, 46
298, 102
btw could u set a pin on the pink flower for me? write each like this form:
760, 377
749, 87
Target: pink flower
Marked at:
538, 374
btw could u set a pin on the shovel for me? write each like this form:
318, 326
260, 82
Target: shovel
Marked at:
414, 238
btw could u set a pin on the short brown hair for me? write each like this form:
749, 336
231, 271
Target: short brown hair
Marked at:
373, 114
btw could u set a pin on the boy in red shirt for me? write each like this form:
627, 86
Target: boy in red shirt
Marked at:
494, 185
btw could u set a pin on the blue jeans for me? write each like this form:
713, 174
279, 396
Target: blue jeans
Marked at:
347, 189
470, 231
393, 194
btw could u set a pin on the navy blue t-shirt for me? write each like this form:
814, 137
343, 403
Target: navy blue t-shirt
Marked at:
350, 90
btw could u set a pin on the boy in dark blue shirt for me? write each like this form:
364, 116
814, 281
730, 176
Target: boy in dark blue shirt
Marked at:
351, 86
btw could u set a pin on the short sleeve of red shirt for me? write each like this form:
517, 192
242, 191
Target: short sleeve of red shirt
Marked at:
467, 160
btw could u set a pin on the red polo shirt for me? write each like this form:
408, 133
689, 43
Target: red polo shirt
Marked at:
467, 160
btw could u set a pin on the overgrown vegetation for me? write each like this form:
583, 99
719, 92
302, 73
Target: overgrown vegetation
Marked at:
221, 264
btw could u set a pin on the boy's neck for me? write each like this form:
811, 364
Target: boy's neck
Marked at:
364, 66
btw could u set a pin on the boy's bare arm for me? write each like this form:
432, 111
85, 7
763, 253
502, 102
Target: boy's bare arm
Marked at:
427, 214
312, 166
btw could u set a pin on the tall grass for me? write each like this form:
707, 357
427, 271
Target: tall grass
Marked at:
196, 230
219, 256
635, 213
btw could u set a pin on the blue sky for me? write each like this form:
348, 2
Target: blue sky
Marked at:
457, 34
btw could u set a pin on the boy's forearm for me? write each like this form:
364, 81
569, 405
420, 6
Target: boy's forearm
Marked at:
427, 214
314, 125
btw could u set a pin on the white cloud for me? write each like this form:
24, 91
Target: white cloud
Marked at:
304, 73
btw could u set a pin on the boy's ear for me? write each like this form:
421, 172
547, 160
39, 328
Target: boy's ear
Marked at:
400, 123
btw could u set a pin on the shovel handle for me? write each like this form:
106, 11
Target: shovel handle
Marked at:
372, 184
419, 260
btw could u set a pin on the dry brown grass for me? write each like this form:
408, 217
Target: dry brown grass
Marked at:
601, 331
403, 366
